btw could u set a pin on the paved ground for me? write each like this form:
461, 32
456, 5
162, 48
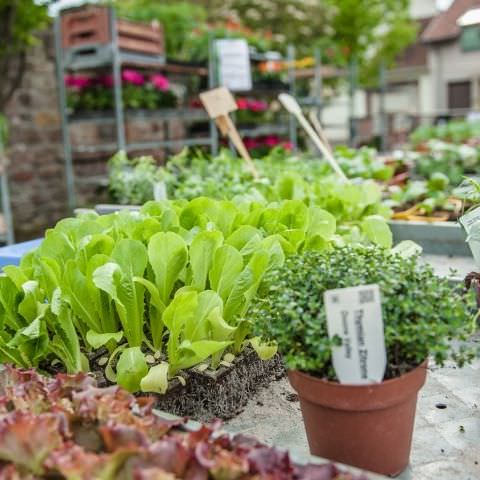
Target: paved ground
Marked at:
446, 442
443, 264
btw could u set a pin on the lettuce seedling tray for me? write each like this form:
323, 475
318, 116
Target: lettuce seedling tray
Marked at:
222, 393
438, 238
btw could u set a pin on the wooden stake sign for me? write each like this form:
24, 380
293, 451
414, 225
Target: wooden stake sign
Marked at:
218, 103
292, 106
320, 131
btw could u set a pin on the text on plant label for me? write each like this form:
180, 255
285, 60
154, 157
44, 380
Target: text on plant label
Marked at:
355, 315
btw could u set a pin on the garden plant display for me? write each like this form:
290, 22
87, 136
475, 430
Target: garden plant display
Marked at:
132, 182
166, 289
86, 93
189, 174
67, 428
454, 161
421, 316
363, 163
252, 111
425, 200
262, 146
458, 132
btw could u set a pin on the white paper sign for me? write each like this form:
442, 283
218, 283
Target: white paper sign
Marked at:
355, 315
469, 219
159, 191
234, 64
471, 223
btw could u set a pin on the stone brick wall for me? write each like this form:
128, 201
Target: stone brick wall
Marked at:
36, 171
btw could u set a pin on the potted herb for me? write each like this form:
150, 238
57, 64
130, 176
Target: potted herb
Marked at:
369, 426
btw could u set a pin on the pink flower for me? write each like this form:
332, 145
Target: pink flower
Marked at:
133, 77
257, 105
251, 143
69, 80
242, 104
287, 146
271, 141
106, 81
78, 82
160, 82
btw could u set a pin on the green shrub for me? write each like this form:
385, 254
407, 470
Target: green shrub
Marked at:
421, 313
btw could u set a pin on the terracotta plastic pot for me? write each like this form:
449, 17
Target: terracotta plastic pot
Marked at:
367, 426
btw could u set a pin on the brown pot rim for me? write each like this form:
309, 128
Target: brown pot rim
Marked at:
358, 397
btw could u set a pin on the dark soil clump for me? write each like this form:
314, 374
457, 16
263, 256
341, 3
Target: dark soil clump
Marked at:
222, 394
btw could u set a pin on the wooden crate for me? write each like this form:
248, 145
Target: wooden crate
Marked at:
89, 26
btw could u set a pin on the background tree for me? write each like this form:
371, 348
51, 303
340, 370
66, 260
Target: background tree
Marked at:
178, 18
370, 31
19, 20
300, 22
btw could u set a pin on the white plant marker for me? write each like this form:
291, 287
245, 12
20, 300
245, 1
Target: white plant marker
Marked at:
160, 191
292, 106
218, 103
312, 116
471, 224
355, 315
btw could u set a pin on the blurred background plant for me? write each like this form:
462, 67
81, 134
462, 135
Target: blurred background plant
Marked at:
19, 20
346, 30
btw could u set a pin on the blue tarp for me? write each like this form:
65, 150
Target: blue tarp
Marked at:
11, 254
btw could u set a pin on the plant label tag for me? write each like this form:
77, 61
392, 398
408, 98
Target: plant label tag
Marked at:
234, 70
355, 315
471, 224
218, 102
159, 191
470, 219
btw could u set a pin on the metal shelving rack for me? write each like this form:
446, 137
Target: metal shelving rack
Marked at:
313, 101
111, 56
7, 236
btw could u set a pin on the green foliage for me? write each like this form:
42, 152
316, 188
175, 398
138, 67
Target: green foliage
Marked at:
132, 182
344, 29
179, 21
455, 132
285, 21
363, 163
428, 196
422, 313
19, 21
22, 20
172, 282
284, 177
370, 32
468, 191
452, 160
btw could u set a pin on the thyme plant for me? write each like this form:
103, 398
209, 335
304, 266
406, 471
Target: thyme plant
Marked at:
422, 313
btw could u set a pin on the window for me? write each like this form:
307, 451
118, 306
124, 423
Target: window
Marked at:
470, 38
459, 95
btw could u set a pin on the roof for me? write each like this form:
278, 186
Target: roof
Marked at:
444, 26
